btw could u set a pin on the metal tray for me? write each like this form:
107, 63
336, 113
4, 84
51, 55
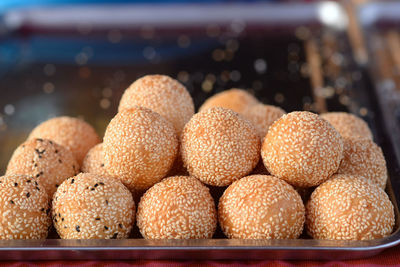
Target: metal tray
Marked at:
291, 55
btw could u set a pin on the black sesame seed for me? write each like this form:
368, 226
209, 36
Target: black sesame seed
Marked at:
78, 229
92, 188
36, 183
48, 210
39, 139
96, 185
114, 236
65, 227
37, 188
120, 225
55, 219
28, 181
42, 209
105, 227
72, 181
12, 202
57, 185
56, 151
107, 202
102, 165
37, 175
97, 219
50, 142
60, 161
101, 183
15, 184
62, 219
28, 194
59, 215
35, 165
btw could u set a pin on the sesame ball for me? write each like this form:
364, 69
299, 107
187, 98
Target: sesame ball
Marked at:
45, 160
235, 99
24, 208
302, 149
178, 207
94, 161
72, 133
219, 146
162, 94
364, 158
261, 207
263, 116
348, 125
349, 208
92, 206
140, 147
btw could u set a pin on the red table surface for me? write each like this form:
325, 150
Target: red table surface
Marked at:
389, 257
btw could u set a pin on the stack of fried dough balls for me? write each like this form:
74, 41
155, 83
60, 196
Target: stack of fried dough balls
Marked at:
158, 152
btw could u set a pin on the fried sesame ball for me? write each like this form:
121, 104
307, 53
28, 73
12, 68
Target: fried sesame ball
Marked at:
94, 161
92, 206
162, 94
349, 208
348, 125
140, 147
302, 149
364, 158
72, 133
261, 207
235, 99
219, 146
24, 208
45, 160
263, 116
178, 207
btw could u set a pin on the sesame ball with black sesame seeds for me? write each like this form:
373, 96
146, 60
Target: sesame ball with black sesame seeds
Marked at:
235, 99
92, 206
162, 94
263, 116
23, 208
348, 125
302, 148
219, 146
139, 147
364, 158
72, 133
45, 160
261, 207
178, 207
94, 161
349, 208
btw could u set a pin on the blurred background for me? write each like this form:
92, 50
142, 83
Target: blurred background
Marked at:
75, 58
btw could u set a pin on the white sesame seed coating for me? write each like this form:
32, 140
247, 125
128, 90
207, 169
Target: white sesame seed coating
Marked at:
139, 147
261, 207
94, 161
162, 94
302, 149
45, 160
24, 208
349, 208
235, 99
348, 125
219, 146
364, 158
91, 206
178, 207
72, 133
263, 116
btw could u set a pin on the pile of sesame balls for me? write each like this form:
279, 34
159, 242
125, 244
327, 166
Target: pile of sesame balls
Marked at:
283, 174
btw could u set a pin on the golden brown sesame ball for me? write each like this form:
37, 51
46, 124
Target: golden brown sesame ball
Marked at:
348, 125
235, 99
263, 116
140, 147
178, 207
162, 94
219, 146
72, 133
364, 158
45, 160
302, 149
94, 161
92, 206
261, 207
24, 208
349, 208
